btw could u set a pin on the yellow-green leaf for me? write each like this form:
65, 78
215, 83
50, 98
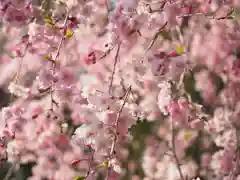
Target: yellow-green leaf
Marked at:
187, 136
103, 165
231, 11
48, 20
180, 49
11, 56
47, 58
79, 178
68, 33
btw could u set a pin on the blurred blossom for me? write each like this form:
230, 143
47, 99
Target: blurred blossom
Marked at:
121, 89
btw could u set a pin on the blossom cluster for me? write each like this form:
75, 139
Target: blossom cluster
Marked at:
81, 73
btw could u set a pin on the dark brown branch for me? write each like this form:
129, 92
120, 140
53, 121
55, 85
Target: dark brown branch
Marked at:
114, 68
156, 36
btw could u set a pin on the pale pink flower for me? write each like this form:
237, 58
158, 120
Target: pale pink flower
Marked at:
164, 96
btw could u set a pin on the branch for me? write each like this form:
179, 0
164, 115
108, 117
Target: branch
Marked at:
232, 175
114, 68
90, 159
54, 62
175, 154
116, 128
155, 36
10, 171
150, 10
208, 16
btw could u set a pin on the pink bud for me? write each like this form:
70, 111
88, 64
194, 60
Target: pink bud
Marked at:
187, 10
76, 162
173, 54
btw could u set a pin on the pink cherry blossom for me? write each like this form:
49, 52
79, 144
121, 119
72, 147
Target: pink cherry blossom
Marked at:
127, 89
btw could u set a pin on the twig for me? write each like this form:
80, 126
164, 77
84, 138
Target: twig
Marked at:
175, 154
116, 128
208, 16
124, 102
90, 159
190, 15
150, 10
226, 16
54, 61
114, 68
155, 36
10, 171
61, 42
232, 175
180, 35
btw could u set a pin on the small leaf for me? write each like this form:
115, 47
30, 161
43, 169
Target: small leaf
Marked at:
68, 33
180, 49
48, 20
231, 12
79, 178
47, 57
103, 165
187, 136
11, 56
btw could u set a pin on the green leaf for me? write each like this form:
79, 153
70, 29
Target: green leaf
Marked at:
103, 165
180, 49
187, 136
68, 33
48, 20
47, 57
79, 178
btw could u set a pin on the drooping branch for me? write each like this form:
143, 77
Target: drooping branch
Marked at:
54, 62
156, 36
114, 68
112, 151
178, 164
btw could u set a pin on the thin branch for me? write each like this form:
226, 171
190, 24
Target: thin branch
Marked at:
156, 36
232, 175
208, 16
54, 62
175, 154
150, 10
10, 171
112, 151
90, 159
114, 68
124, 102
61, 41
